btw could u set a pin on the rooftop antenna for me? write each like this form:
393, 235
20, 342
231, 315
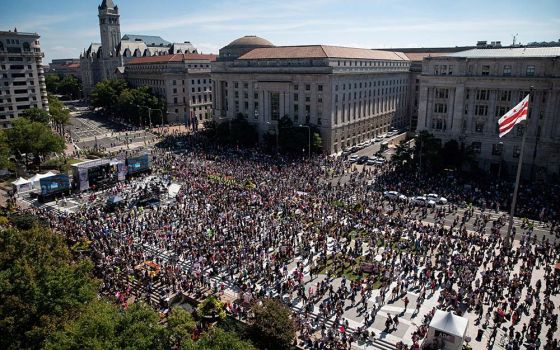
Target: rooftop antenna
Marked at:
514, 38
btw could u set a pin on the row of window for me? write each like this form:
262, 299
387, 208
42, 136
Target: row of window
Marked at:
344, 63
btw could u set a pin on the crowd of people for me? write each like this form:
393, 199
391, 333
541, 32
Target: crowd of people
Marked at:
267, 226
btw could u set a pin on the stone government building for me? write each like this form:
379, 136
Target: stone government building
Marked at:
463, 94
350, 94
107, 59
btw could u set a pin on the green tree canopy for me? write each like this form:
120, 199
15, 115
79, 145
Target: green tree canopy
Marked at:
218, 339
103, 326
106, 93
41, 286
272, 327
70, 86
4, 151
59, 113
36, 115
44, 140
52, 81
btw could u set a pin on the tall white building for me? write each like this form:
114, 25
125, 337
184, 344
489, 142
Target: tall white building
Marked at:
106, 60
462, 96
22, 80
350, 94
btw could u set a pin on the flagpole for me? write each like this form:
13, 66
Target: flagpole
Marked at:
518, 176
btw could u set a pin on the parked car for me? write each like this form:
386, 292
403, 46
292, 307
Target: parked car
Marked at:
423, 201
362, 160
377, 139
395, 195
353, 158
436, 198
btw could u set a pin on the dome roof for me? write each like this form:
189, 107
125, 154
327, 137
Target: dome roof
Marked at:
250, 41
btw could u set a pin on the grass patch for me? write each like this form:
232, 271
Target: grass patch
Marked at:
350, 272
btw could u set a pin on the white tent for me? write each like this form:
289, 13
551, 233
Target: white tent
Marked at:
447, 329
21, 185
37, 177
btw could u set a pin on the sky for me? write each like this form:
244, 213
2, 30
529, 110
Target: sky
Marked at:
67, 27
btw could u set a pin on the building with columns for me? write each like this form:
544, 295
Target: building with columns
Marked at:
182, 80
22, 79
462, 96
350, 94
106, 60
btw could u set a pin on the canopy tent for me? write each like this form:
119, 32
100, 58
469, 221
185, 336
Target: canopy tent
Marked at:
37, 177
447, 329
21, 185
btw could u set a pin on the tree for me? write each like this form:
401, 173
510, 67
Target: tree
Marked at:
272, 326
36, 115
44, 140
106, 93
427, 152
52, 81
4, 151
103, 325
60, 115
218, 339
41, 286
70, 86
180, 327
403, 155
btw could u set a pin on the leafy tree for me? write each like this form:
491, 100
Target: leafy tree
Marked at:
36, 115
103, 325
403, 155
180, 327
52, 81
44, 140
427, 151
218, 339
70, 86
106, 93
272, 326
60, 115
41, 287
4, 151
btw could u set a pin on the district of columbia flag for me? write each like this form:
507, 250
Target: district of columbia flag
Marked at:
514, 116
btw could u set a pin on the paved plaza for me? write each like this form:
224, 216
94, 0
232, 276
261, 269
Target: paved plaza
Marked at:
233, 229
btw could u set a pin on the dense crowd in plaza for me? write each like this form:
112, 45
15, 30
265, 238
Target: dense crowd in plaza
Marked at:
242, 218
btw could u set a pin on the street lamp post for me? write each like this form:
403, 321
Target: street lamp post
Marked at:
150, 113
276, 134
308, 139
501, 159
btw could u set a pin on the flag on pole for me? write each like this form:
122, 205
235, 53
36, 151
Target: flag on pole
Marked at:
514, 116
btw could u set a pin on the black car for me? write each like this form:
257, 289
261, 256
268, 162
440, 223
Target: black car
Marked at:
362, 160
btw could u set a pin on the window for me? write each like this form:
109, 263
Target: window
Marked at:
530, 71
505, 95
481, 110
436, 69
274, 106
479, 126
482, 95
442, 93
440, 108
296, 97
485, 70
507, 71
497, 149
500, 111
320, 87
307, 87
296, 87
476, 147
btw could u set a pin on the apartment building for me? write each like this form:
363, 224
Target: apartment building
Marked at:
22, 80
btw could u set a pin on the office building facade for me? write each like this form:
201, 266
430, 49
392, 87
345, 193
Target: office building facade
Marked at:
22, 80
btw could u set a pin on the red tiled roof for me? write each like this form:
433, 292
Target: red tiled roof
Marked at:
419, 56
73, 65
172, 58
321, 51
